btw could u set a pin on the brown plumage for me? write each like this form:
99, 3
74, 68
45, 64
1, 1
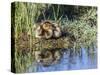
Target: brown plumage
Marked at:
47, 30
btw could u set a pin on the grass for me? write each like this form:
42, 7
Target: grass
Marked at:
82, 25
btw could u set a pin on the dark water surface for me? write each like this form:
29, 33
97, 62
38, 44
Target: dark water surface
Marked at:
86, 59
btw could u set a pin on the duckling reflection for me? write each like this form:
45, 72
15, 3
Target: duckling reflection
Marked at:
47, 57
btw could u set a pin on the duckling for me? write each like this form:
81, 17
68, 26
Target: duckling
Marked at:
44, 30
48, 29
57, 31
39, 33
47, 25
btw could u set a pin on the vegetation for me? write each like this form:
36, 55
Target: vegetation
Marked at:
77, 21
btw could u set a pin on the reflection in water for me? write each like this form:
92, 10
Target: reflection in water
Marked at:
72, 61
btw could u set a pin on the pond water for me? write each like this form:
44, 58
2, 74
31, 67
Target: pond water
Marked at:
86, 59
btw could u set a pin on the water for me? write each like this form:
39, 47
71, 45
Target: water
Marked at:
82, 60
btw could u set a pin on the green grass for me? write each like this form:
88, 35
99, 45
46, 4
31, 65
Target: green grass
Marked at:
83, 26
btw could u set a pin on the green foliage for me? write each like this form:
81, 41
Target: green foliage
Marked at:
83, 32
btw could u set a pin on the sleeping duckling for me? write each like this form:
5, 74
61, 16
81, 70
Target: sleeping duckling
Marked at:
48, 29
44, 30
